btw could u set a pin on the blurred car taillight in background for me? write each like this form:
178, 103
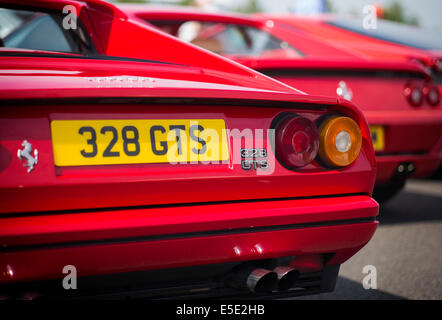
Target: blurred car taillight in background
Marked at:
418, 94
431, 92
414, 94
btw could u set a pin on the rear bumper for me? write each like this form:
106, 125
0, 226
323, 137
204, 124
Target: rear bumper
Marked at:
410, 137
387, 165
37, 248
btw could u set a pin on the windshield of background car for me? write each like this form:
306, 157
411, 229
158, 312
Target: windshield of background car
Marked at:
35, 30
228, 39
394, 32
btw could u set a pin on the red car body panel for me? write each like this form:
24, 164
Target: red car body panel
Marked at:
110, 27
413, 134
179, 237
117, 219
370, 47
65, 188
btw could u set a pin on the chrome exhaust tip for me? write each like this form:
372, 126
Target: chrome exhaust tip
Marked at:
405, 168
262, 281
411, 167
287, 277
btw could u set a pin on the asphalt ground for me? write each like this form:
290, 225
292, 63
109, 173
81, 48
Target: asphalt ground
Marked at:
406, 250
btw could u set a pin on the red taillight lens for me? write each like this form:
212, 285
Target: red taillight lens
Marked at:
414, 94
297, 141
431, 93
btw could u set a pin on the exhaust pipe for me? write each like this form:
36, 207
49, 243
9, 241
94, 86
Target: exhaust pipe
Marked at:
287, 277
257, 280
411, 167
262, 280
405, 168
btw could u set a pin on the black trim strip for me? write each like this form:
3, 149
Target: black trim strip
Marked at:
83, 57
170, 205
210, 233
411, 153
232, 102
367, 73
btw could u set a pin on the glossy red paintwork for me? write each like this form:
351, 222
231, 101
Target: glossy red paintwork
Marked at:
122, 218
136, 255
369, 47
110, 186
412, 133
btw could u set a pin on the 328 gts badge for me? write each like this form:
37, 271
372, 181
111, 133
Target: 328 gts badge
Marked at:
254, 158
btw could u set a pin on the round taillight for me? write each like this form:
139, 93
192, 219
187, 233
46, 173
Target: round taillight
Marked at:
431, 92
297, 141
437, 65
340, 141
414, 94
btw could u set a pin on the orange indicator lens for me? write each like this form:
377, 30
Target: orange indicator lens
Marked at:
340, 141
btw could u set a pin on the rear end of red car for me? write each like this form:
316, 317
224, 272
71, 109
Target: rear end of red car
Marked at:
166, 178
157, 192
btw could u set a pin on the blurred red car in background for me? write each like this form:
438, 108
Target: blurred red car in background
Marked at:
158, 169
399, 99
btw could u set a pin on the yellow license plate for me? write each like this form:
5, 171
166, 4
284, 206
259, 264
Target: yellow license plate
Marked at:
100, 142
378, 137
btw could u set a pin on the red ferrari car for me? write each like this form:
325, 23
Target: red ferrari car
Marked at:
148, 167
399, 99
